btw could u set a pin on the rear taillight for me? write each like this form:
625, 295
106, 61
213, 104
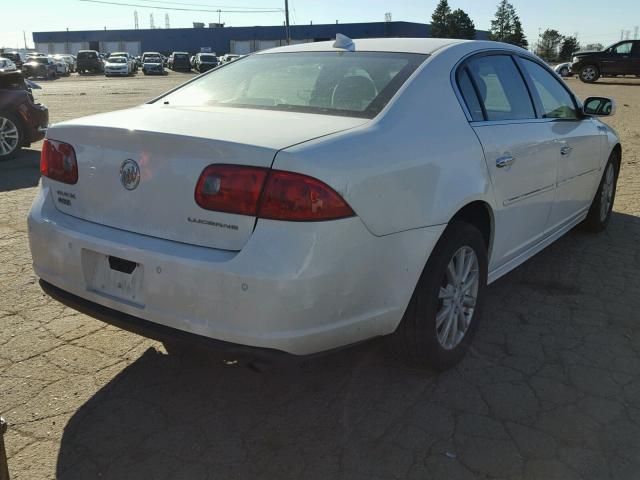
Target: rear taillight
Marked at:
230, 188
269, 194
299, 198
58, 161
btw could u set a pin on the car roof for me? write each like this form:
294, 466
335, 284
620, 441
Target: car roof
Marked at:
405, 45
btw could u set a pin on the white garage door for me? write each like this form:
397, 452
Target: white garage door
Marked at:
57, 48
109, 47
264, 44
75, 47
133, 48
241, 47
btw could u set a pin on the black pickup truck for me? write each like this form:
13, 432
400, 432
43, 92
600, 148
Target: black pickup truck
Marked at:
622, 58
89, 61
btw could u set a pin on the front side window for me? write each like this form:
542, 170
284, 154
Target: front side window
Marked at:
334, 83
623, 48
501, 88
556, 100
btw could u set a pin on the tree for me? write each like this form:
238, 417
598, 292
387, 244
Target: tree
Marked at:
569, 45
517, 36
440, 20
548, 45
461, 25
506, 27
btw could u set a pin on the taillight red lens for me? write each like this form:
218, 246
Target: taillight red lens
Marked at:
269, 194
299, 198
230, 188
58, 161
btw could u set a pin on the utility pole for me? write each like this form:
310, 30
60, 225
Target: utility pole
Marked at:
151, 24
635, 32
135, 19
24, 35
166, 21
286, 19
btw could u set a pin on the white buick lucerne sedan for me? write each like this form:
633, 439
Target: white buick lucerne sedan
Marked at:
314, 196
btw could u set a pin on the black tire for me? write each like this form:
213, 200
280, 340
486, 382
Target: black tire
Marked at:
589, 74
20, 140
175, 347
564, 72
418, 331
599, 215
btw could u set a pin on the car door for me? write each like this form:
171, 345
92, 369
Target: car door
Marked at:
579, 143
618, 59
635, 58
520, 151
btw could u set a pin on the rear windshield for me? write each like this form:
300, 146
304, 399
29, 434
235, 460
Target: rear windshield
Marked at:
355, 84
117, 60
207, 58
180, 56
87, 55
152, 59
39, 59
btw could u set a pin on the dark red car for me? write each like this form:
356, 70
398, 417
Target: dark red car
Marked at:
22, 120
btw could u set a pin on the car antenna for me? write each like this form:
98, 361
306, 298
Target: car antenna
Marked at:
344, 42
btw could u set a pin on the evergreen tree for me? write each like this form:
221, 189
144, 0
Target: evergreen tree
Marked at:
506, 27
548, 45
440, 20
461, 25
517, 36
567, 48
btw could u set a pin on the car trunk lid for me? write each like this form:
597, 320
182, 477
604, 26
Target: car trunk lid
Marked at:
171, 146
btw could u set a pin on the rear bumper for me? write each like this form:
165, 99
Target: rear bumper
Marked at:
299, 288
154, 330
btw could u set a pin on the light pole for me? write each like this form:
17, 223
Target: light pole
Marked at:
286, 18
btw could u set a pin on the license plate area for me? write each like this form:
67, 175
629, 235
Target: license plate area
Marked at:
118, 278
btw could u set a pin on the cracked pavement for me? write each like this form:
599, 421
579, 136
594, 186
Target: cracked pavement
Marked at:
550, 390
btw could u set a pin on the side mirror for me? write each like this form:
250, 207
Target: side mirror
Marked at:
599, 106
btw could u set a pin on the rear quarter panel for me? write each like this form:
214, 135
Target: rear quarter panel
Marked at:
415, 165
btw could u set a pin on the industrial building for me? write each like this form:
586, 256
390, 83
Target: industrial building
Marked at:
218, 39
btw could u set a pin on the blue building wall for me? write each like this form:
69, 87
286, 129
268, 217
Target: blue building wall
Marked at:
192, 39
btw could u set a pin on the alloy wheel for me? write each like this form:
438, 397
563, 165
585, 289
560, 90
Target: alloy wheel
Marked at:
457, 297
8, 136
606, 197
589, 73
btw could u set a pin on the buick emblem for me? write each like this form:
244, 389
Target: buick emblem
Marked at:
129, 174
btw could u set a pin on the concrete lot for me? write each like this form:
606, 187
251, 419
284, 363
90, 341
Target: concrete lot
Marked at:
551, 389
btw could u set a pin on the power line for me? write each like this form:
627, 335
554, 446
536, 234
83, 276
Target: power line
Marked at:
279, 10
207, 5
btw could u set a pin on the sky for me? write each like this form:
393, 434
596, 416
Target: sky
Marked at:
591, 20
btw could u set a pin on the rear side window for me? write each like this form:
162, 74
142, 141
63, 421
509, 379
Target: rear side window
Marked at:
469, 95
501, 88
556, 100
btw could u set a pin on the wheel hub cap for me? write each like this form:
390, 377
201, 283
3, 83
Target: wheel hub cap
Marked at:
8, 136
606, 198
457, 297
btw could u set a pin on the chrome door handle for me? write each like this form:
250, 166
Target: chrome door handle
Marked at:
505, 161
566, 150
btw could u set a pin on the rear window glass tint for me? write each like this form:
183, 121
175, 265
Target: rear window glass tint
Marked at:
501, 87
